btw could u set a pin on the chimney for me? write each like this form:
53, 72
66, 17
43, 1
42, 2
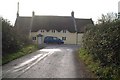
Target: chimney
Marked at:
72, 14
33, 13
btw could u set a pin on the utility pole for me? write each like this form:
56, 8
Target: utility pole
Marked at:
18, 9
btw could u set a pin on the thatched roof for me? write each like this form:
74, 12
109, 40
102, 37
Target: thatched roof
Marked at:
35, 23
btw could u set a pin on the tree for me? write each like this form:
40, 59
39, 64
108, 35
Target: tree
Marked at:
102, 41
109, 17
10, 42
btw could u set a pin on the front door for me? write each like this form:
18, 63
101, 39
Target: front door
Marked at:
39, 40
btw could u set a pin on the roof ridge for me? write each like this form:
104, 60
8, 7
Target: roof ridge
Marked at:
24, 17
62, 17
50, 16
84, 18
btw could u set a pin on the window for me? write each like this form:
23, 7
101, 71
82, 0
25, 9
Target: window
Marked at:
34, 38
55, 38
42, 30
53, 31
63, 38
64, 31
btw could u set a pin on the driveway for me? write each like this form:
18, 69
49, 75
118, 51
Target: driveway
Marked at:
54, 61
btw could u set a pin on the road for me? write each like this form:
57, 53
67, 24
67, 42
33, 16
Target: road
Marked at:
54, 61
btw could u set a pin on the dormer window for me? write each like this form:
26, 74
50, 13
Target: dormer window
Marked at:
64, 31
42, 30
53, 31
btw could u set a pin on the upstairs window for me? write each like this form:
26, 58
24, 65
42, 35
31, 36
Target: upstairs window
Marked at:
42, 30
34, 38
64, 31
53, 31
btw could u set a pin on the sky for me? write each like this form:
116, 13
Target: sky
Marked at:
82, 8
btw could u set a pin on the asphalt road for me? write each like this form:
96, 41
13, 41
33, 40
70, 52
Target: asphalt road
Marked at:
54, 61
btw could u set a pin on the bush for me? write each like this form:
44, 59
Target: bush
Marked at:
103, 43
11, 39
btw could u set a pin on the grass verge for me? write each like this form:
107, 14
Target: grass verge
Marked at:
24, 51
108, 72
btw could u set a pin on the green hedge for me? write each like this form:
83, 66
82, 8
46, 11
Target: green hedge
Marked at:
12, 40
25, 50
103, 43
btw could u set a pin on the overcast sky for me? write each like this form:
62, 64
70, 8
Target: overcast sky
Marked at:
82, 8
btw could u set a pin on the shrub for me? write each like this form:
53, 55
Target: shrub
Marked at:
102, 41
12, 41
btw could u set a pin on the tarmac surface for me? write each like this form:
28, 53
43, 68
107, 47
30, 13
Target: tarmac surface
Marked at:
54, 61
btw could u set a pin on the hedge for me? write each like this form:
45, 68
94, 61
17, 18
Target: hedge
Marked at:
102, 41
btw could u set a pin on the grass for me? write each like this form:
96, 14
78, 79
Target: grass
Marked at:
101, 72
87, 58
24, 51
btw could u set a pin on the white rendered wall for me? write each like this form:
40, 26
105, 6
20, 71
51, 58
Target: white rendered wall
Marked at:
70, 37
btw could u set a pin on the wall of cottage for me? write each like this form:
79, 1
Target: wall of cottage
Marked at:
80, 35
70, 37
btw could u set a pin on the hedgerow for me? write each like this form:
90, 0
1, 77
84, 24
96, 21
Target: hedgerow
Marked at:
102, 41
